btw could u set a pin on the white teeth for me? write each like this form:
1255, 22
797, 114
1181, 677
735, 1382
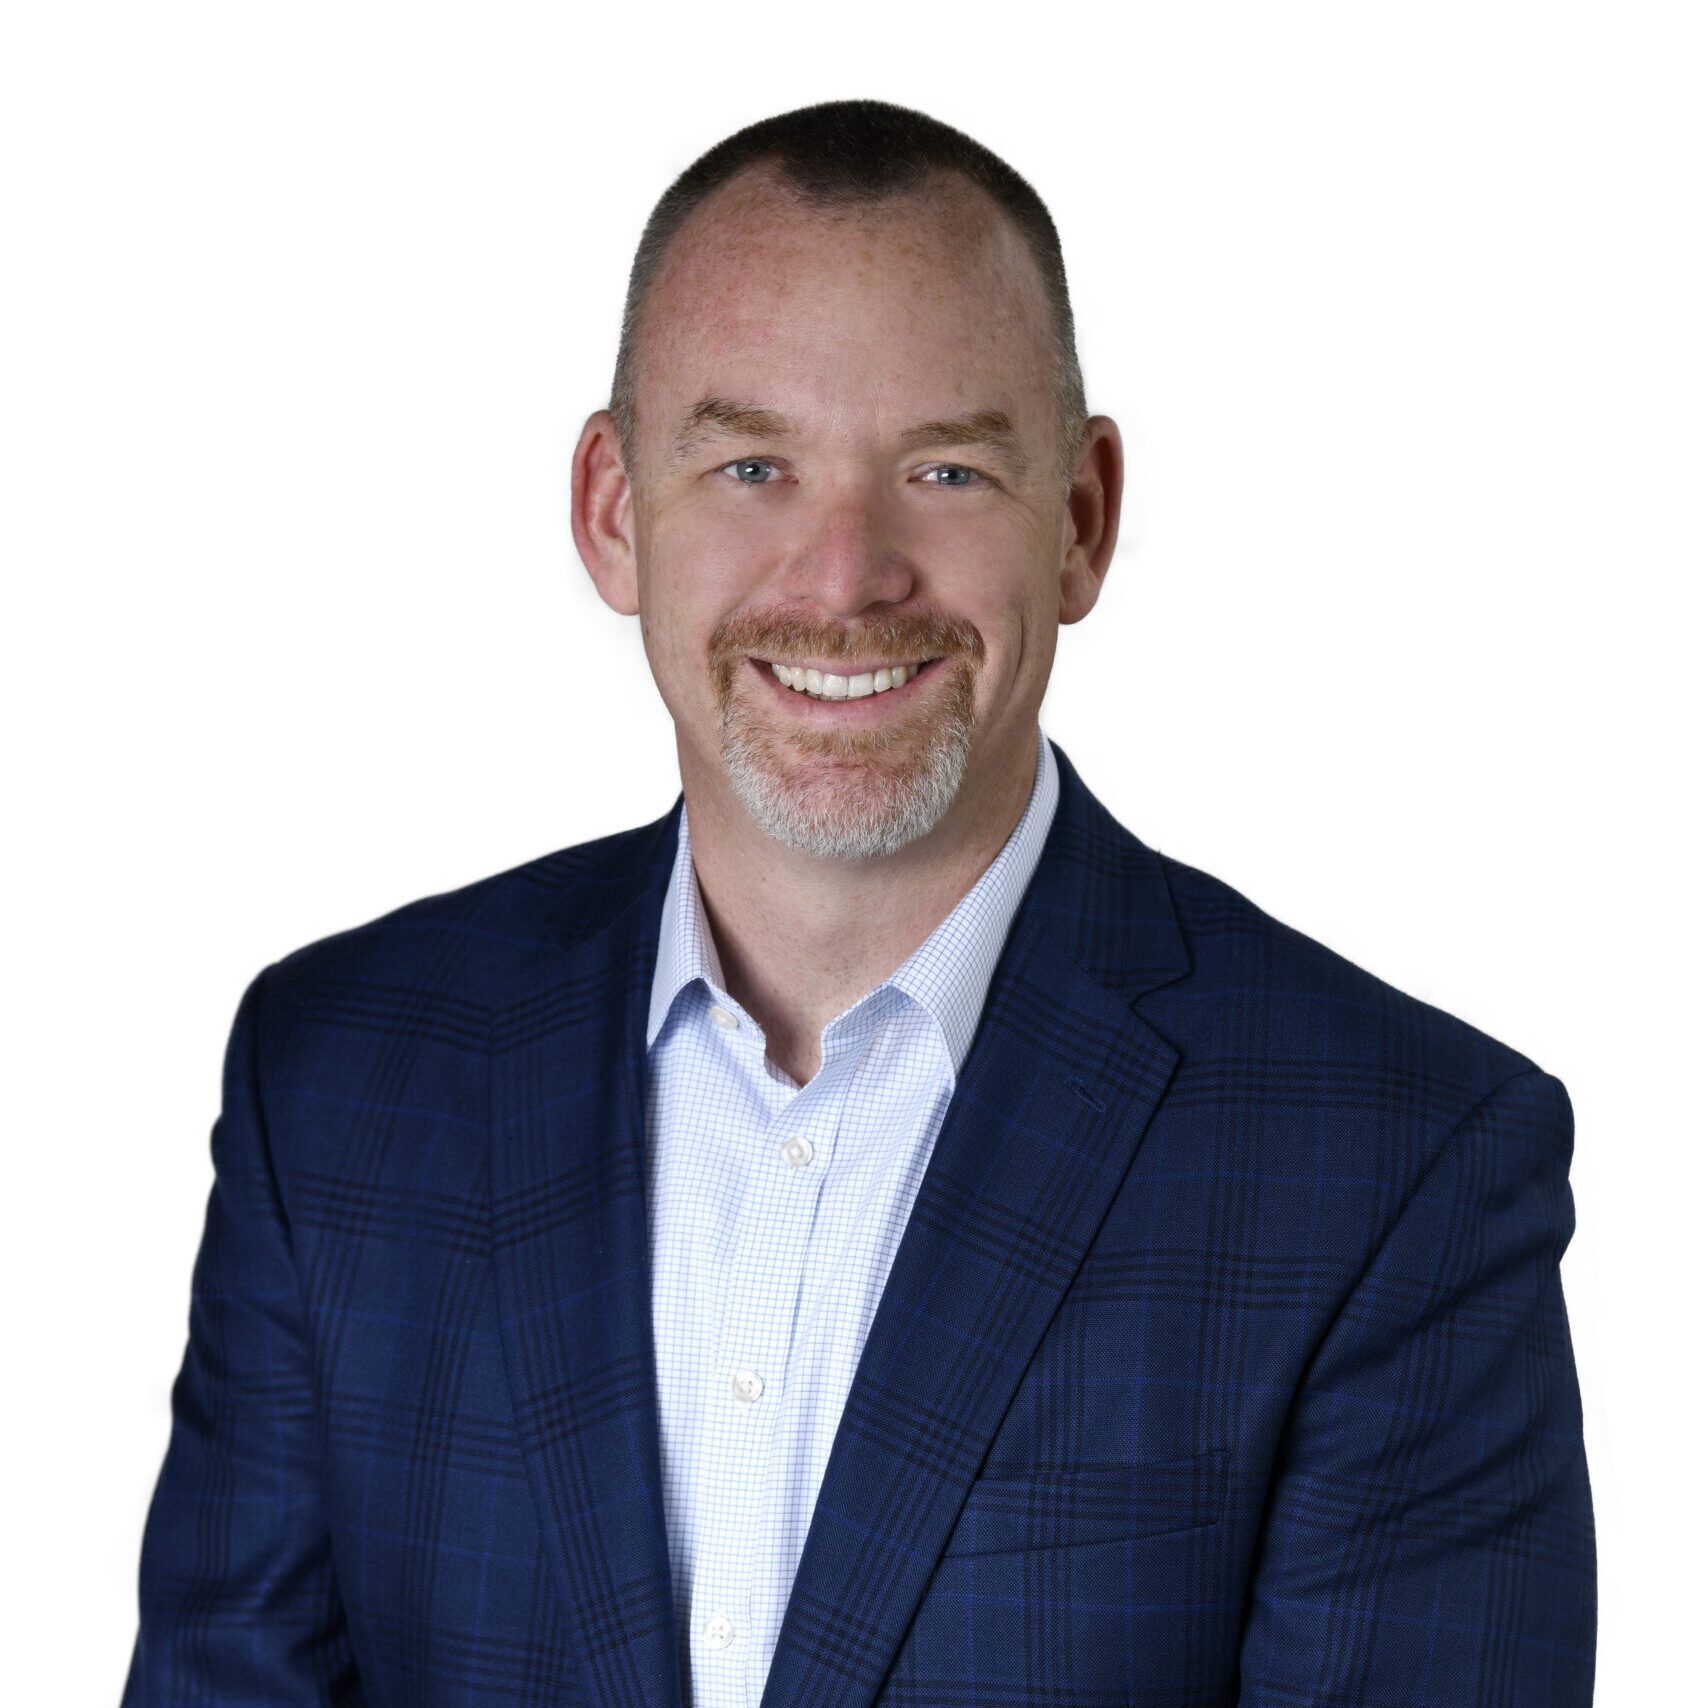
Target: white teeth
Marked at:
825, 685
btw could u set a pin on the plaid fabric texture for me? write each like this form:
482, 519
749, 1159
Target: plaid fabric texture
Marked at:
1223, 1359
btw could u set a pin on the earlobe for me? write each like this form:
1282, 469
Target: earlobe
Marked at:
602, 514
1095, 508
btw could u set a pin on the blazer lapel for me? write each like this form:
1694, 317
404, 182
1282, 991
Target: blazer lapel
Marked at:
1054, 1100
571, 1264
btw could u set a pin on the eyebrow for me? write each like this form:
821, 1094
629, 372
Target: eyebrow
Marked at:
710, 416
992, 427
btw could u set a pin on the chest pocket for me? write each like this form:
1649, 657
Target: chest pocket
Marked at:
1022, 1509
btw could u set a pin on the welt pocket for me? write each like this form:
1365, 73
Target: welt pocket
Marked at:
1008, 1510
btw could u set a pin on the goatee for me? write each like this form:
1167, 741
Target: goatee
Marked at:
849, 794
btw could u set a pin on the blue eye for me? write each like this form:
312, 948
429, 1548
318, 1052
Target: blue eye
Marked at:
753, 471
950, 474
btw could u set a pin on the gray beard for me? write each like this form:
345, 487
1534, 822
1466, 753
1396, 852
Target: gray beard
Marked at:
863, 816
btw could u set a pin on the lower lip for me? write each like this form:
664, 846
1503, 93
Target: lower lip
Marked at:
868, 708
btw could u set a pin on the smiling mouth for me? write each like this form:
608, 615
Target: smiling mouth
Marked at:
827, 685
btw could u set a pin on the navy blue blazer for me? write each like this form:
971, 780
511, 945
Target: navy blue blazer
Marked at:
1223, 1359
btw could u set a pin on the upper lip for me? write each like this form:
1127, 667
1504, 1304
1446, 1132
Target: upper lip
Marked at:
844, 667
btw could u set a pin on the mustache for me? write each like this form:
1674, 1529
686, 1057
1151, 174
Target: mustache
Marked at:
915, 635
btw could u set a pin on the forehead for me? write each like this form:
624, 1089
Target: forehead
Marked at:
761, 286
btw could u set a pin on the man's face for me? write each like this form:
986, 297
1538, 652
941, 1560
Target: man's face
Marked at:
847, 466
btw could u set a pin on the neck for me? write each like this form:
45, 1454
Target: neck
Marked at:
802, 937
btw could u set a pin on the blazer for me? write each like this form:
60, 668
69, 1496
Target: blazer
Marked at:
1223, 1359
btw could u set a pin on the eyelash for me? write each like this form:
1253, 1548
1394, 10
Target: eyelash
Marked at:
933, 468
740, 462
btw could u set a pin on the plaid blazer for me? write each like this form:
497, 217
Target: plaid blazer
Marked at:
1223, 1360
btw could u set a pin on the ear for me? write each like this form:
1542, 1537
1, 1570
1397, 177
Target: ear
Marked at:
1095, 506
602, 514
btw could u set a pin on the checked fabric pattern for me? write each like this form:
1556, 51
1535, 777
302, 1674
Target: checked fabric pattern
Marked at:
1223, 1359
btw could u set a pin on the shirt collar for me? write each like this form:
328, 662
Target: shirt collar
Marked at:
947, 976
685, 950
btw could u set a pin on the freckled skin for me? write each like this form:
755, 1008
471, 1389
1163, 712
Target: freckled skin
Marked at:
855, 326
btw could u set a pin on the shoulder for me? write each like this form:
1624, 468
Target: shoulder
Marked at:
1255, 1009
446, 962
1267, 1014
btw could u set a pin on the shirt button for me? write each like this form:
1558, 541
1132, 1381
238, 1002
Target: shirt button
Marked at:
718, 1631
747, 1386
797, 1151
726, 1021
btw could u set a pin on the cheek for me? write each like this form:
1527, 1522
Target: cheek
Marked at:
704, 564
994, 575
673, 643
993, 552
686, 582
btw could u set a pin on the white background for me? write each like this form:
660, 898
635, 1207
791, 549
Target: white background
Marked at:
303, 307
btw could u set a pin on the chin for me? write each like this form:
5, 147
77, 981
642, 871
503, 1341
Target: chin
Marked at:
846, 796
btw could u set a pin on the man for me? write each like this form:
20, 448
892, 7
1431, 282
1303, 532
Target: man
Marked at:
880, 1232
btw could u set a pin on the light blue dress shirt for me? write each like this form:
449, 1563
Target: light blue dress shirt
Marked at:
775, 1212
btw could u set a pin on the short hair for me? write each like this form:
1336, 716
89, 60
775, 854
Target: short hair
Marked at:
846, 154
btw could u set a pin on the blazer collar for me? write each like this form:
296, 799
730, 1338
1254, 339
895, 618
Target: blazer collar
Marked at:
1102, 895
1054, 1098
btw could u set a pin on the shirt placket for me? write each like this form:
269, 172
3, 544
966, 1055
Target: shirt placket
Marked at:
748, 1377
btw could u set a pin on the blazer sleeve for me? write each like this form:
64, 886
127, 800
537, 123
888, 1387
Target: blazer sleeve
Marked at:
1428, 1536
239, 1602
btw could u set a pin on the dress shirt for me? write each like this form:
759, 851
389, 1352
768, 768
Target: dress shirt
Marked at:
775, 1213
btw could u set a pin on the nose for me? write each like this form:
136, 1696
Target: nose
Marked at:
851, 557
